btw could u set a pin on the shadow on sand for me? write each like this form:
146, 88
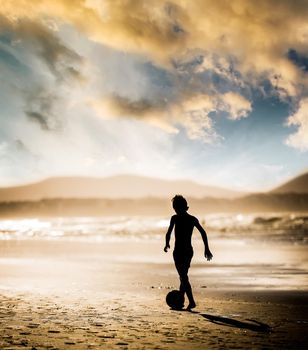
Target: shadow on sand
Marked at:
252, 325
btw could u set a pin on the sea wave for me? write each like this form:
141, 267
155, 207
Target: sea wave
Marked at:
286, 227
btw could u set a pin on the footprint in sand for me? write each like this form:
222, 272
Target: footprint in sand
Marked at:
33, 325
106, 336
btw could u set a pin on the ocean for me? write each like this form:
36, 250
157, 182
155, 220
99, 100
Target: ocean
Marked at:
273, 227
256, 251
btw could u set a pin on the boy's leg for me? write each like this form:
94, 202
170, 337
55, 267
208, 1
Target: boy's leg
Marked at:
182, 284
182, 264
186, 288
179, 267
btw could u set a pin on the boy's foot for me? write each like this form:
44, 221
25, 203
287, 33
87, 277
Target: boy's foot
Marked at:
191, 305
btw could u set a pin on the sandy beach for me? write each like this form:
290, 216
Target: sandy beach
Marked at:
83, 295
129, 127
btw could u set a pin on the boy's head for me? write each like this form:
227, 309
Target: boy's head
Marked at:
179, 204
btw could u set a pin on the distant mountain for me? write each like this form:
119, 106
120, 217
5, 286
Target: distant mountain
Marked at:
114, 187
257, 203
298, 184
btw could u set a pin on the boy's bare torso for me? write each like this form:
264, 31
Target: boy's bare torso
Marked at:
183, 229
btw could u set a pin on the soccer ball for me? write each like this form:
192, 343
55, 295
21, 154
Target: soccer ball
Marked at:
175, 299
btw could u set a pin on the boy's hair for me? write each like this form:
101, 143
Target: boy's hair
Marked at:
179, 203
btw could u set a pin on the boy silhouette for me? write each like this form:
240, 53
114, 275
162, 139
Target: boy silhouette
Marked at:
184, 224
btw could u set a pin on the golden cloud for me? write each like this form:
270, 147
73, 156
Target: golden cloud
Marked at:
117, 106
255, 35
299, 139
236, 105
191, 112
258, 34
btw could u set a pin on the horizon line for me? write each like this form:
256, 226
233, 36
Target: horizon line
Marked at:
234, 189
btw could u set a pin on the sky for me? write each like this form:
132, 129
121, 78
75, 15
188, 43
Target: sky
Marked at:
211, 91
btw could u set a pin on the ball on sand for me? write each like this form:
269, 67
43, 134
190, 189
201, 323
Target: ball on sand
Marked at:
175, 299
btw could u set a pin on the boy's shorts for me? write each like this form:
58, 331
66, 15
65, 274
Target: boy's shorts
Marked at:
182, 260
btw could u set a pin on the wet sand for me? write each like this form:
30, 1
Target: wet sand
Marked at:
111, 295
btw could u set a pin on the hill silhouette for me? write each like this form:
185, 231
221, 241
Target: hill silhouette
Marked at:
133, 195
279, 202
298, 184
120, 186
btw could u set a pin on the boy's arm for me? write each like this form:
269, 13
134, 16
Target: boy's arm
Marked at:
207, 252
168, 234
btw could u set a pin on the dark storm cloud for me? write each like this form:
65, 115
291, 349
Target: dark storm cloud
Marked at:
39, 118
25, 48
138, 108
62, 61
298, 59
40, 108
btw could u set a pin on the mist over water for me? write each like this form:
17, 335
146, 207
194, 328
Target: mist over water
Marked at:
258, 251
275, 227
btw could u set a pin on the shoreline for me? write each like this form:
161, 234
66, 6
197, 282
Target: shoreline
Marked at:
111, 295
142, 320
